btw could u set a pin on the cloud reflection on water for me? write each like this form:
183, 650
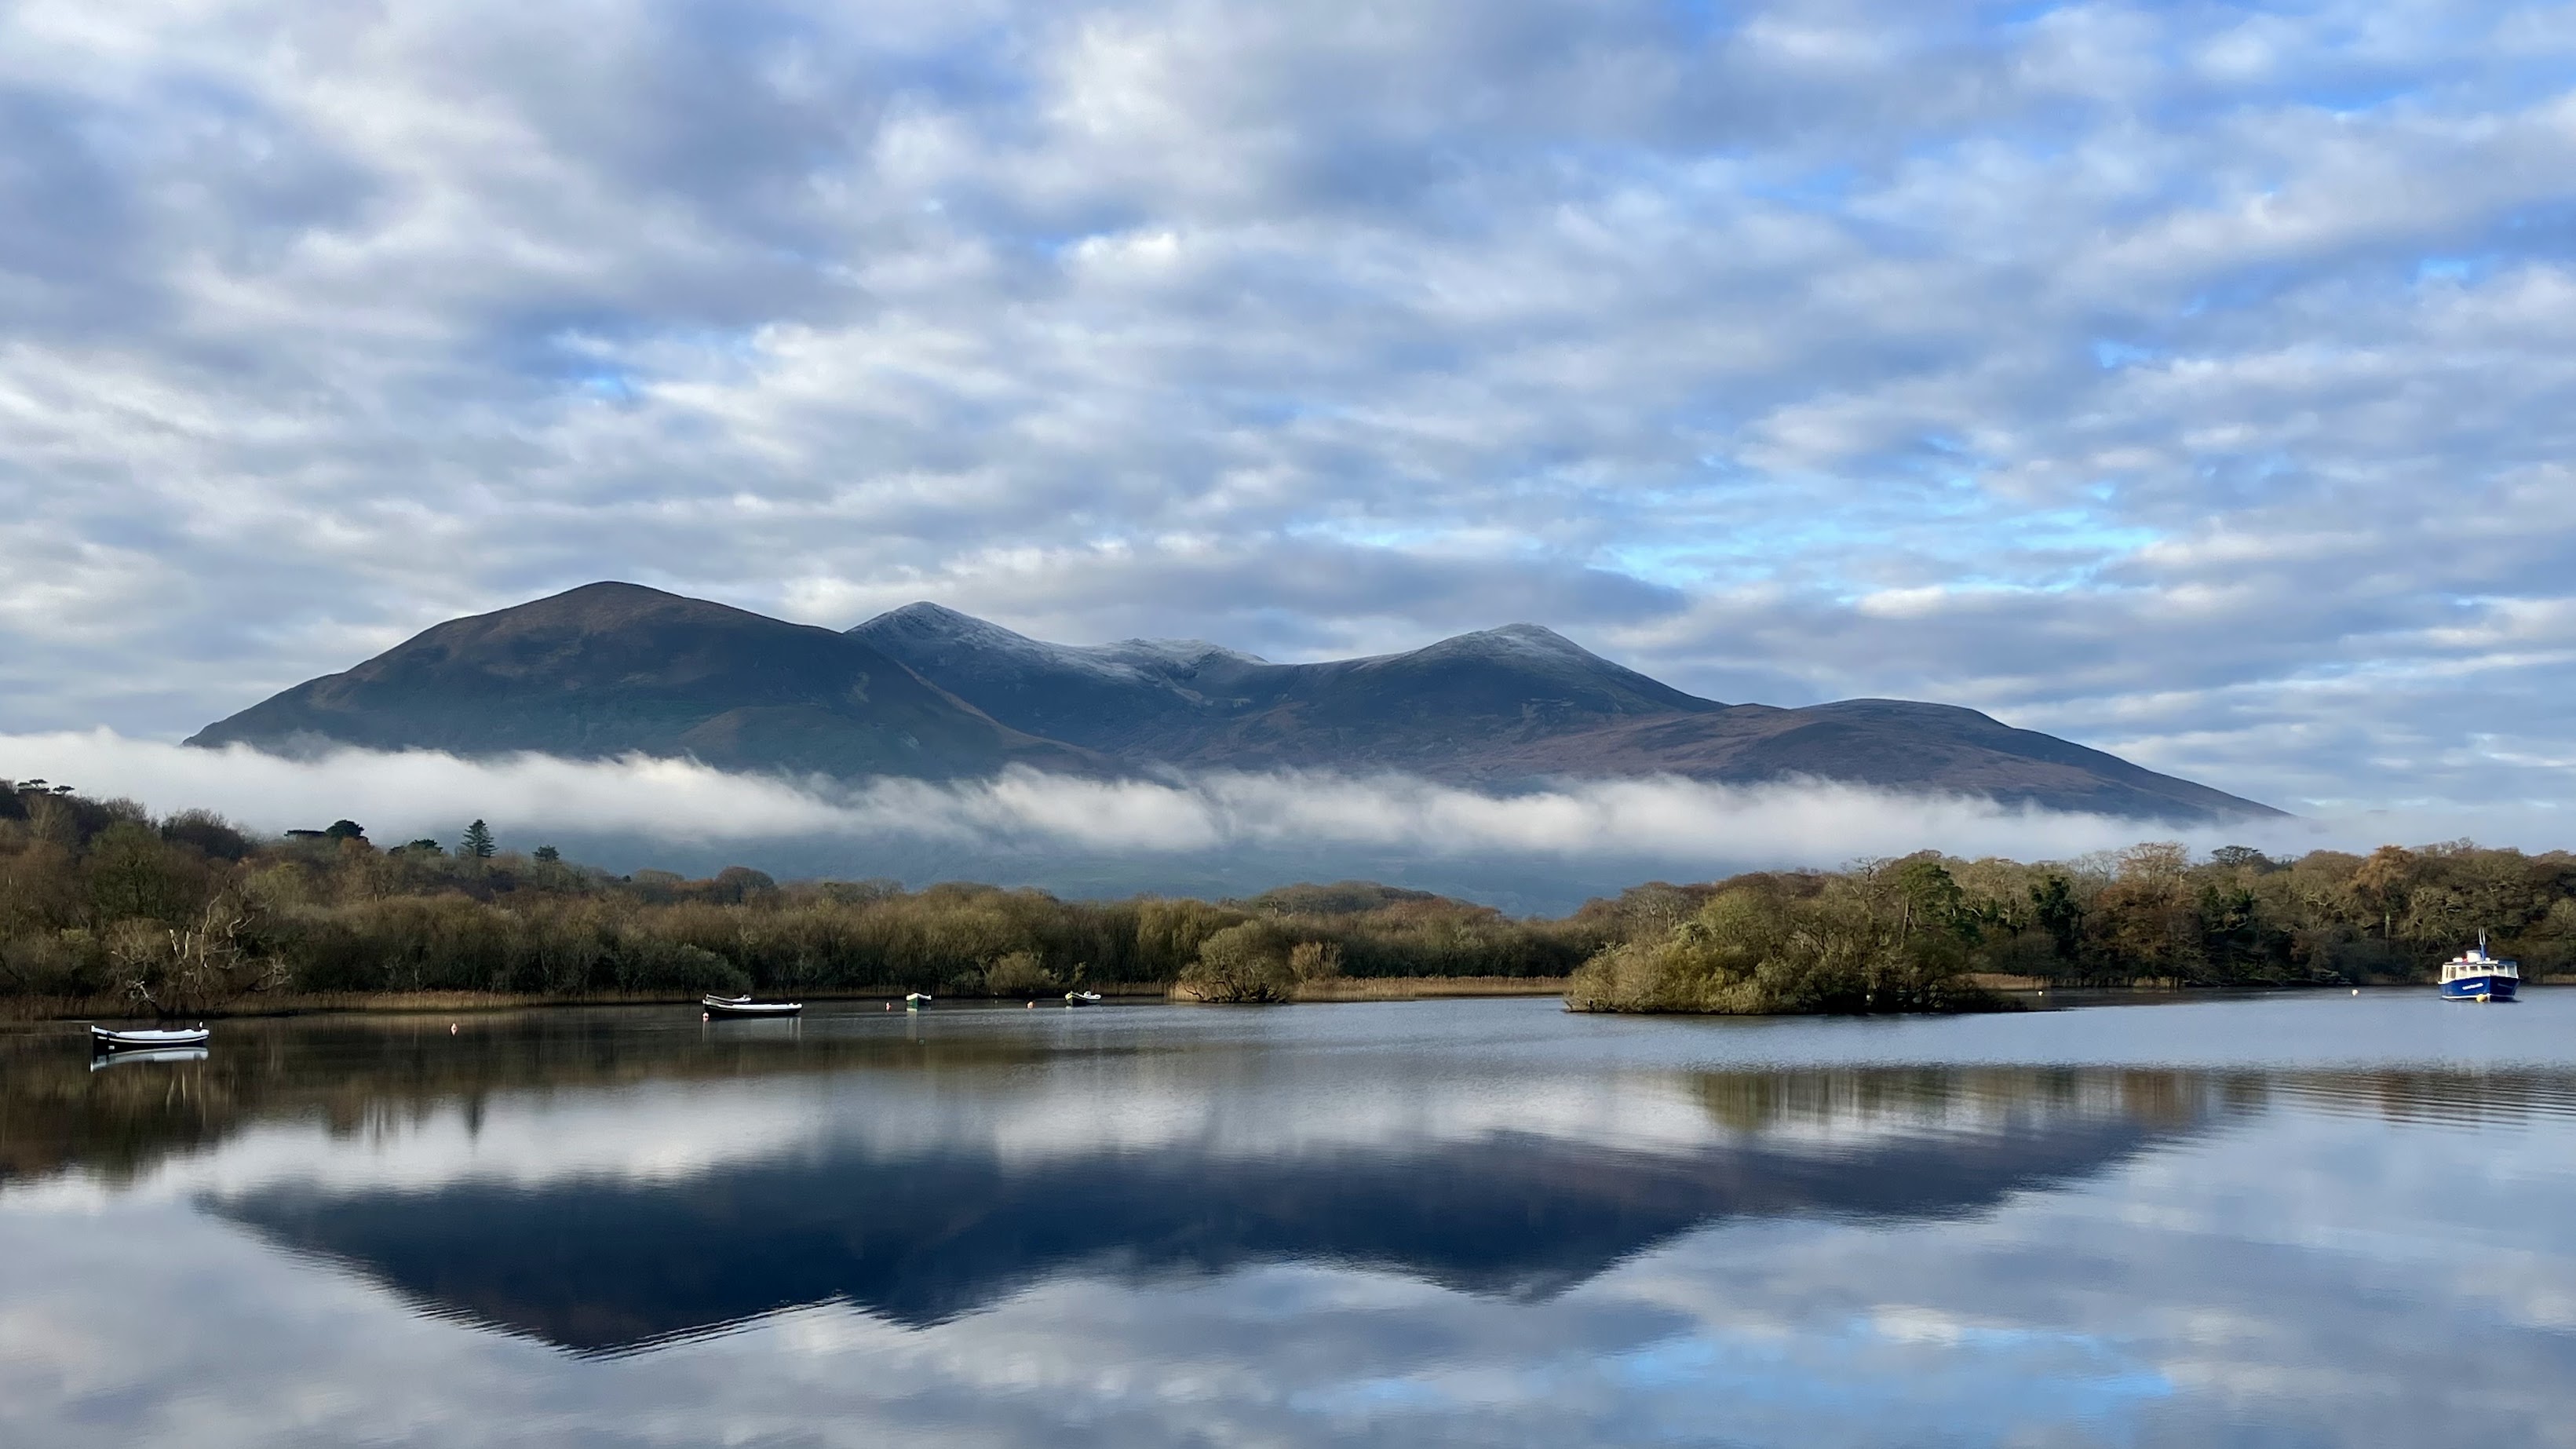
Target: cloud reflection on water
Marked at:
1847, 1251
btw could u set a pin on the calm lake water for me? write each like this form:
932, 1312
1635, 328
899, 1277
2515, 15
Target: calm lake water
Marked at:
2308, 1220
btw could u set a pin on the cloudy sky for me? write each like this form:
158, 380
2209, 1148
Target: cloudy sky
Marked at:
2196, 381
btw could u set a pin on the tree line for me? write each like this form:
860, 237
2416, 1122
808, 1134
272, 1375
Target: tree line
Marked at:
1919, 932
101, 901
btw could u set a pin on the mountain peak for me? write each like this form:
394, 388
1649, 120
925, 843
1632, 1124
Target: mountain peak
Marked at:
614, 668
923, 619
1522, 639
606, 605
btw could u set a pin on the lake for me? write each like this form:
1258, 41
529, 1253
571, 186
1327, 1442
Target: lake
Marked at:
2297, 1220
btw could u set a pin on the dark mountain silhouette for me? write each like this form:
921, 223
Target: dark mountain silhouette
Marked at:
925, 691
1499, 707
612, 1266
611, 669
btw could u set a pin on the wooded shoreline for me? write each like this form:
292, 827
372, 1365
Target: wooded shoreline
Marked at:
34, 1009
106, 910
30, 1011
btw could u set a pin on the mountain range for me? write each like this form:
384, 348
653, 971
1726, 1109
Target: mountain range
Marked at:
924, 691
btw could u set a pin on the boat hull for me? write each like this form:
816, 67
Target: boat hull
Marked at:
2480, 988
752, 1008
101, 1039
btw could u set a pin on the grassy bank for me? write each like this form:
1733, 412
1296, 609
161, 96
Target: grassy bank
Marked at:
1420, 988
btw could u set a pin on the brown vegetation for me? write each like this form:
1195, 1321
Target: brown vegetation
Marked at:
104, 908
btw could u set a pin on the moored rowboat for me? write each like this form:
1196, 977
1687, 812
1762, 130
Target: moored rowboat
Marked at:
102, 1039
745, 1006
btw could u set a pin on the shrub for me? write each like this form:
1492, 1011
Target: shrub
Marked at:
1242, 963
1021, 973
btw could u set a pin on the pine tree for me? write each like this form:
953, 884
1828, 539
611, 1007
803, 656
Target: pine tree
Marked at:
549, 854
477, 842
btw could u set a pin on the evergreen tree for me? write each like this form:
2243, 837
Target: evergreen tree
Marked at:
477, 842
549, 854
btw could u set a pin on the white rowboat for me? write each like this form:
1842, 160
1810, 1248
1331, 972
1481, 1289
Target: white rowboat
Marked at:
745, 1006
101, 1039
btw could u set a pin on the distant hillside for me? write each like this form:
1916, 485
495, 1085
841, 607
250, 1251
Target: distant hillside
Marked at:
612, 669
1499, 708
925, 691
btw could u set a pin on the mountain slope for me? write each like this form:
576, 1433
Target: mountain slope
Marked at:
1190, 702
924, 691
1501, 707
612, 668
1110, 697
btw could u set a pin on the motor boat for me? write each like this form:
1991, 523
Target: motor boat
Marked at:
106, 1039
1082, 998
915, 1000
2473, 975
744, 1006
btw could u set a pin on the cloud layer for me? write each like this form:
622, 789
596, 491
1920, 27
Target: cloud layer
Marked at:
1254, 830
2194, 381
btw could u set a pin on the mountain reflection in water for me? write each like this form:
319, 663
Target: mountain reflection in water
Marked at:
1485, 1223
600, 1265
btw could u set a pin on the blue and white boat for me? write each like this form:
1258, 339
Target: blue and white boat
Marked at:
2473, 975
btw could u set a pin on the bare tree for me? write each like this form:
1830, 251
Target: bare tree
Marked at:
188, 971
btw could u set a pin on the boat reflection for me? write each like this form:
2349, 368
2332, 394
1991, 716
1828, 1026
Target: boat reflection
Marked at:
164, 1055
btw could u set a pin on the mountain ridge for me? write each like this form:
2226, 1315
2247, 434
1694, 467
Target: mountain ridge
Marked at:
612, 668
1515, 704
926, 691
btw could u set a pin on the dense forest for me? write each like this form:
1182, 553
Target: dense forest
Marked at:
101, 903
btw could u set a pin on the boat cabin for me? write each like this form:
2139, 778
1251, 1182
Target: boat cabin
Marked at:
2475, 962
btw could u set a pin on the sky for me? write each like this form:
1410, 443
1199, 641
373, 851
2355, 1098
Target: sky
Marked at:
2192, 380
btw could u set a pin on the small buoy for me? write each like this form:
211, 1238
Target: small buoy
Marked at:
704, 1016
889, 1006
2356, 991
451, 1028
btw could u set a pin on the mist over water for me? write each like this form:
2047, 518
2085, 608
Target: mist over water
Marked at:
1225, 832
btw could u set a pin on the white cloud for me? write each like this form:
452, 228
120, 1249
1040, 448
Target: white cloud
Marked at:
1656, 824
1817, 348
